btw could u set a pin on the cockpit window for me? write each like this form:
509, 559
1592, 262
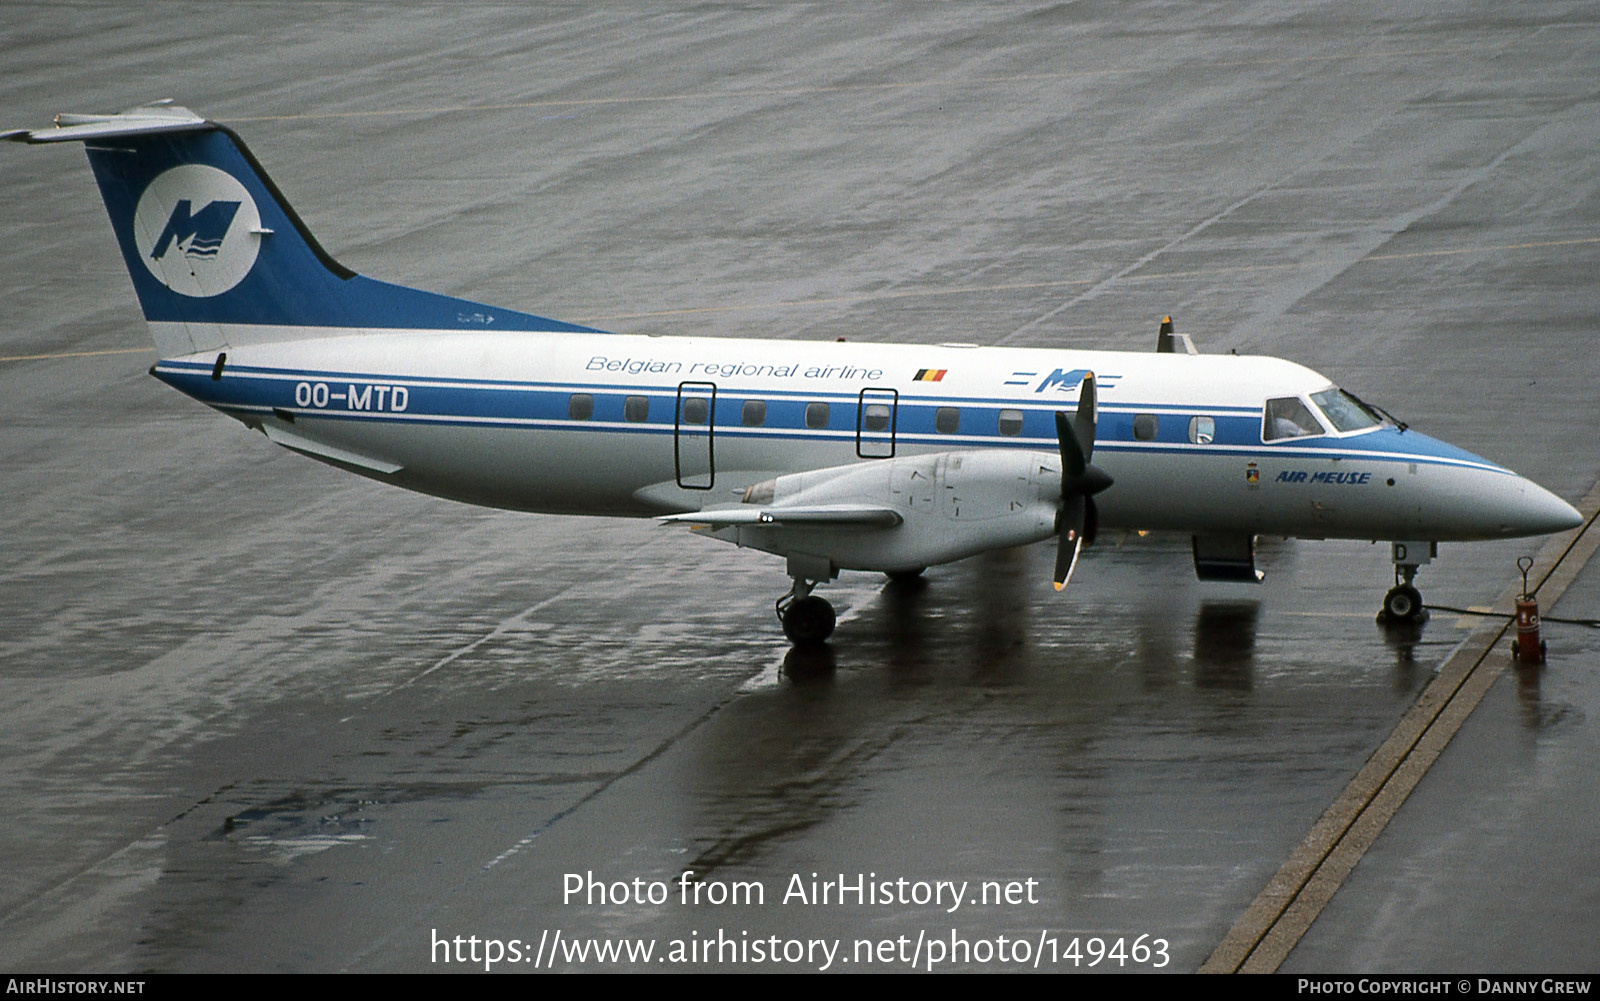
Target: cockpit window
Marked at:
1345, 411
1288, 417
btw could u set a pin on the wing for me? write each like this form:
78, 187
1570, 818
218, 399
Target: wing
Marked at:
927, 509
896, 514
868, 515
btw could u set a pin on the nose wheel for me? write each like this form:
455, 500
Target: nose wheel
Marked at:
1403, 604
807, 619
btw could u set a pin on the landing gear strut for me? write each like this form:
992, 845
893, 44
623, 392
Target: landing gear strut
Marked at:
807, 619
1403, 604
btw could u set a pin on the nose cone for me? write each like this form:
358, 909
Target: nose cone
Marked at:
1529, 509
1501, 504
1460, 496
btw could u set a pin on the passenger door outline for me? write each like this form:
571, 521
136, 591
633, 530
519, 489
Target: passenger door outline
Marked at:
693, 442
876, 443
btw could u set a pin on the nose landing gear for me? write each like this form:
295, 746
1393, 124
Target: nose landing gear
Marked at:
1403, 604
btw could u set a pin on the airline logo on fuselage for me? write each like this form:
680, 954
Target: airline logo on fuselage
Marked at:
1305, 476
198, 230
1060, 380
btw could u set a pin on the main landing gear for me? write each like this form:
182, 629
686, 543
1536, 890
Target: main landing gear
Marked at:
807, 619
1403, 604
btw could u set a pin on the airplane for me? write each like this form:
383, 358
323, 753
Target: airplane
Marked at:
835, 456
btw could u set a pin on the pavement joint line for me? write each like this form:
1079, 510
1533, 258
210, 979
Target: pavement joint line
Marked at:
1273, 924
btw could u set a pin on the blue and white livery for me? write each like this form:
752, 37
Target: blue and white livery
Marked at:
835, 456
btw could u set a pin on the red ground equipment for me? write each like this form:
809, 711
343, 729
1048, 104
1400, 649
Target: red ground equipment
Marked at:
1527, 648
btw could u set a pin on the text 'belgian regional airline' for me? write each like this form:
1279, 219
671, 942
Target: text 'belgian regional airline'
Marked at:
836, 456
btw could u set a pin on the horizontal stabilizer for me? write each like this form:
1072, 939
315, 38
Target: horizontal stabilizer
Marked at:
869, 516
148, 119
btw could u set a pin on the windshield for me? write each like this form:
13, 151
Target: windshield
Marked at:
1344, 411
1287, 417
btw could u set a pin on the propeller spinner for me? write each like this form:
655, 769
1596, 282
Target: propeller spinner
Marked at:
1080, 481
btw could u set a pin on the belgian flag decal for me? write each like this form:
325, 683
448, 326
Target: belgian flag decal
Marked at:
930, 374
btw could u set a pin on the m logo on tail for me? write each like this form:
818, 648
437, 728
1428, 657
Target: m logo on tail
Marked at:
209, 218
197, 234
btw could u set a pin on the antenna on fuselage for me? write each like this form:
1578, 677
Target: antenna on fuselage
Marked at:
1168, 339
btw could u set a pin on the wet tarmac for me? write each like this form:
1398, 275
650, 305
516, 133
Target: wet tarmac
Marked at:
261, 715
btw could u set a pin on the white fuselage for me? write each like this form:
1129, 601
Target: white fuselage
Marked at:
633, 425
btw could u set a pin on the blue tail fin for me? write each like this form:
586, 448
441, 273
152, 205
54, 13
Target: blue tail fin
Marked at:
218, 257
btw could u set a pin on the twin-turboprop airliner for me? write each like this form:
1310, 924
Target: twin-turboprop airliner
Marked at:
877, 457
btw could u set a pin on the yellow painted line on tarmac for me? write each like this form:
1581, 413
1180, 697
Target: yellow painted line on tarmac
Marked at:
915, 293
835, 299
1469, 620
1275, 921
76, 354
1326, 615
1486, 249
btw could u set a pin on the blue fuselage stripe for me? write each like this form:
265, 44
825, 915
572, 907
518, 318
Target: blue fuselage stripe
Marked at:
788, 415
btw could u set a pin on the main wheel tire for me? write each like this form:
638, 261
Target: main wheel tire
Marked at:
808, 621
905, 576
1403, 603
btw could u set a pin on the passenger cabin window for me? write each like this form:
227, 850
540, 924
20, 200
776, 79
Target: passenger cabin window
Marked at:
580, 406
816, 415
1144, 427
636, 408
1011, 422
875, 417
1287, 417
1345, 411
1202, 430
754, 414
696, 409
947, 420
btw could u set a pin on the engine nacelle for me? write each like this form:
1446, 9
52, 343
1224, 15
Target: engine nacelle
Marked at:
951, 505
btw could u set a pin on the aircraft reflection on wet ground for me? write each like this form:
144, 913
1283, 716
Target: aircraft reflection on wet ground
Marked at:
909, 622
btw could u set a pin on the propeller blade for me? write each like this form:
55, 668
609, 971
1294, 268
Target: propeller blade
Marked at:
1070, 529
1088, 413
1073, 460
1066, 560
1079, 518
